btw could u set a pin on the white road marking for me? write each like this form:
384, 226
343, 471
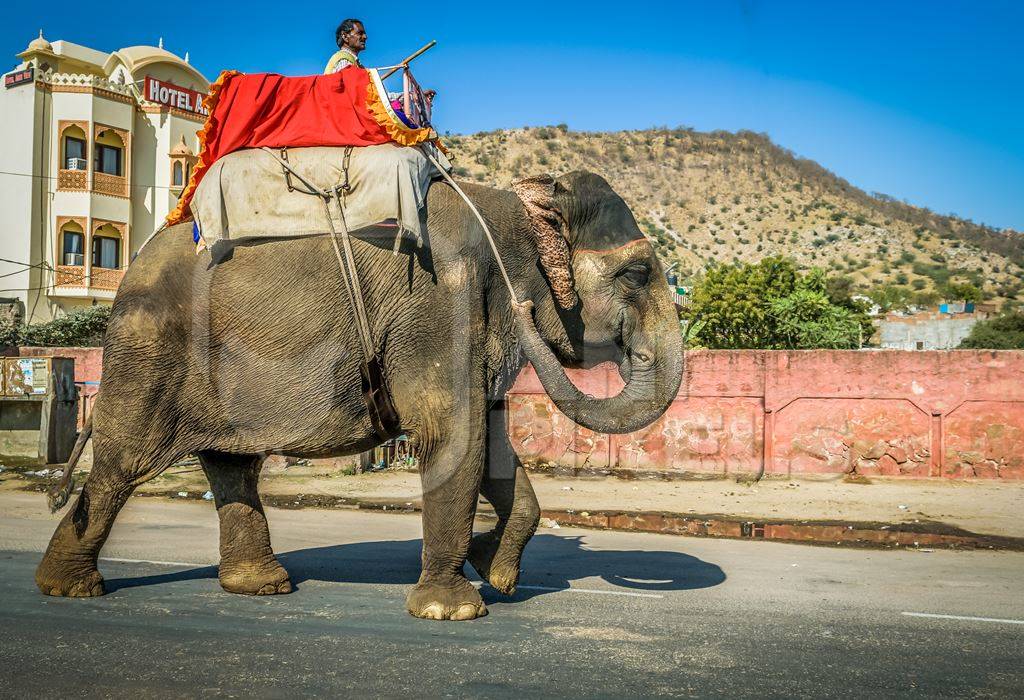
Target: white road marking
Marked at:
564, 589
150, 561
964, 617
628, 594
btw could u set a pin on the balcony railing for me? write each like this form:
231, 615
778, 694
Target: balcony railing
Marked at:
70, 276
72, 180
102, 278
113, 185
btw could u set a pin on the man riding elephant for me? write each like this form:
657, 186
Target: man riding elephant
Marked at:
256, 354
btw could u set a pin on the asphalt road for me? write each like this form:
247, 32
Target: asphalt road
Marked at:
599, 614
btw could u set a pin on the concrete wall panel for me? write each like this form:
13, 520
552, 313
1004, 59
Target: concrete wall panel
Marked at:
952, 414
697, 435
873, 437
985, 439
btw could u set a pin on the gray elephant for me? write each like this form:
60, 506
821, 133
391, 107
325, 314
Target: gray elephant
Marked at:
257, 353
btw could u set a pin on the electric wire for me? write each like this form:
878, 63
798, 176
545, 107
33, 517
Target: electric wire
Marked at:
50, 177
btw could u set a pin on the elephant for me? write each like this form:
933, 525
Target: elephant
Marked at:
255, 353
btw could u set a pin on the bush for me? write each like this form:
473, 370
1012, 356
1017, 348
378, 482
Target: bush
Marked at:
1005, 332
10, 333
81, 328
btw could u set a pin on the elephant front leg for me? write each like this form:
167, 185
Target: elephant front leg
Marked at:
247, 562
496, 555
450, 471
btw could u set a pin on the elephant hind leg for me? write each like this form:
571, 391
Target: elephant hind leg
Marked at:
69, 566
496, 555
247, 562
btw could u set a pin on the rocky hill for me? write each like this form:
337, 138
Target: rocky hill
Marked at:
720, 196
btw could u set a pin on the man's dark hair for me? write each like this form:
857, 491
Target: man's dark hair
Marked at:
345, 27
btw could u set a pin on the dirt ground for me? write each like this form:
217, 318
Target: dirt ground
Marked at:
984, 507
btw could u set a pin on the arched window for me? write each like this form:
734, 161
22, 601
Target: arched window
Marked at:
72, 245
109, 153
106, 248
178, 177
73, 149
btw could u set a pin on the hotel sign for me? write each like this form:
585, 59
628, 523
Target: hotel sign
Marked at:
170, 95
18, 77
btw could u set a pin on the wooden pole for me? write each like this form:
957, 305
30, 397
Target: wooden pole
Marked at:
407, 61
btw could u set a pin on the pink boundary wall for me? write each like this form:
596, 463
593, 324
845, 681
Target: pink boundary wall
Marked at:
952, 414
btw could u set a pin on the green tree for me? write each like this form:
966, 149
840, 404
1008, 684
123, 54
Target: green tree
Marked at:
961, 291
1004, 332
771, 305
890, 297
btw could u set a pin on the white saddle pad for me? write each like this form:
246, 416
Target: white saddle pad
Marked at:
245, 194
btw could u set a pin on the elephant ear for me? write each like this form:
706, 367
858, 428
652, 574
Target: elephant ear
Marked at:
548, 225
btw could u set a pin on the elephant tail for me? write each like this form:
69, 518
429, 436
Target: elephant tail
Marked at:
57, 497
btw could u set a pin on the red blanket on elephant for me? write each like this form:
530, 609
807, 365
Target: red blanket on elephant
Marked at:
347, 108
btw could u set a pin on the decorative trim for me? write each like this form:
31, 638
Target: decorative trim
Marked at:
72, 180
120, 226
80, 123
82, 221
180, 212
381, 111
100, 127
160, 109
86, 90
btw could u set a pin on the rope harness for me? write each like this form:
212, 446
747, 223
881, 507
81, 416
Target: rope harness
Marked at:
383, 415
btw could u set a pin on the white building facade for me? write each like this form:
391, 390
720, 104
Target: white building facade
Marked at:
98, 148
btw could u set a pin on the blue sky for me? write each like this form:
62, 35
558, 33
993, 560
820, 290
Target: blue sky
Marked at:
923, 101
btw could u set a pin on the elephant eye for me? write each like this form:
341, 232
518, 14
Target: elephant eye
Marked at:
635, 276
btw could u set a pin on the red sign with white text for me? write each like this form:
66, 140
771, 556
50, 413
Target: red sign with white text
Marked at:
170, 95
18, 77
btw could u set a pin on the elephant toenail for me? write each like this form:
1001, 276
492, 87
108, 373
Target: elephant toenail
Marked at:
434, 611
467, 611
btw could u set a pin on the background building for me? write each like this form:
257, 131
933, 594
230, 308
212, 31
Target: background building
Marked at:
97, 149
928, 330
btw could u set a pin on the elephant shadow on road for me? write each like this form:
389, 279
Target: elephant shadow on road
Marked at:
551, 563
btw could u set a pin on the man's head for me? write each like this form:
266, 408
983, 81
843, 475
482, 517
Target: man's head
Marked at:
351, 35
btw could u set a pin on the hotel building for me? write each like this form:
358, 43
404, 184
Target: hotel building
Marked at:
98, 147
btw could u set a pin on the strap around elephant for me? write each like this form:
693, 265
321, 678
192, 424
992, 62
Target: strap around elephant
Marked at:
381, 409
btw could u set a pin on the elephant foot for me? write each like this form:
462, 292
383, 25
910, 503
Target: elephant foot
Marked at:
458, 600
255, 579
84, 584
502, 572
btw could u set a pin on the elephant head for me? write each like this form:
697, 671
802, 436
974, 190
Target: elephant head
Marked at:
608, 300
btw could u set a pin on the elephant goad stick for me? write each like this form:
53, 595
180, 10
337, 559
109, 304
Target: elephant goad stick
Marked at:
409, 59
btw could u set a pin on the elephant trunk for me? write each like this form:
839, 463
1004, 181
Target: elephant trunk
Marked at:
655, 370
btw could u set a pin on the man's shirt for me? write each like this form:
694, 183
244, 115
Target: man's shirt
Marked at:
341, 59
